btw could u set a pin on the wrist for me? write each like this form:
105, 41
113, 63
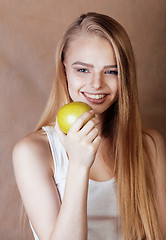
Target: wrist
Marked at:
76, 184
78, 170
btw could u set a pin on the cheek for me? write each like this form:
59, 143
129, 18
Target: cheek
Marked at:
72, 85
69, 81
114, 85
117, 87
73, 88
74, 82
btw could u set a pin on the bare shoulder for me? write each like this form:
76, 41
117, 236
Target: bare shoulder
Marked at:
33, 168
34, 141
157, 147
155, 134
155, 140
32, 149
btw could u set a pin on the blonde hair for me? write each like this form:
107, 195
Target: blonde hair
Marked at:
133, 164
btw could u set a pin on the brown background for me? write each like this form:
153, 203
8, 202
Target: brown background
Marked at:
29, 32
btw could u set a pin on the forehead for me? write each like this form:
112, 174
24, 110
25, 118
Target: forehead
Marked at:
90, 47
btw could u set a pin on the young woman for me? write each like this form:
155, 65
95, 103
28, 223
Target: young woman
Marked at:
105, 179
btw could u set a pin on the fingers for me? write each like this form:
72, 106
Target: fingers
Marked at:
92, 134
82, 140
79, 123
86, 127
97, 141
92, 123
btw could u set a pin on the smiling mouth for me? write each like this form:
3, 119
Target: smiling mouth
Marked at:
95, 96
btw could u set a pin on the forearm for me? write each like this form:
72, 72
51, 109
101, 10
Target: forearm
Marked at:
72, 219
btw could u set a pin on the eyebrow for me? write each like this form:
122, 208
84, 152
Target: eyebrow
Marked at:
91, 65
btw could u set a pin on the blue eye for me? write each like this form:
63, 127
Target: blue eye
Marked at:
112, 72
83, 70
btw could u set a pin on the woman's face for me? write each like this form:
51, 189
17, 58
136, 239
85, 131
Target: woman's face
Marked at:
91, 71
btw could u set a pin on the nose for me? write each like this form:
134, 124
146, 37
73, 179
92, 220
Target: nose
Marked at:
96, 81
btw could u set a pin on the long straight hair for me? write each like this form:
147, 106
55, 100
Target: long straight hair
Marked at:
134, 168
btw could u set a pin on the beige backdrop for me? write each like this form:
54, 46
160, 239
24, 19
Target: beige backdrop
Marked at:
29, 32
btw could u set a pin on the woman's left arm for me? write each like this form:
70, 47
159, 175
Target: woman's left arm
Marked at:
160, 147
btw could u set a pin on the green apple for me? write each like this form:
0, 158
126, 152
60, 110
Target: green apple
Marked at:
69, 113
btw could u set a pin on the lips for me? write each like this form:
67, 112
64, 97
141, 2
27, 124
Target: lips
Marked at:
96, 98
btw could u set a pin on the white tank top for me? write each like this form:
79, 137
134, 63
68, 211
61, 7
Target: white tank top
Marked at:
103, 220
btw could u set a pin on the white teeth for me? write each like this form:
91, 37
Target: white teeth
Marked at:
95, 96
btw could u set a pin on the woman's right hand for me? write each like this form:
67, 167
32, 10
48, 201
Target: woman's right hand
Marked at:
82, 141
